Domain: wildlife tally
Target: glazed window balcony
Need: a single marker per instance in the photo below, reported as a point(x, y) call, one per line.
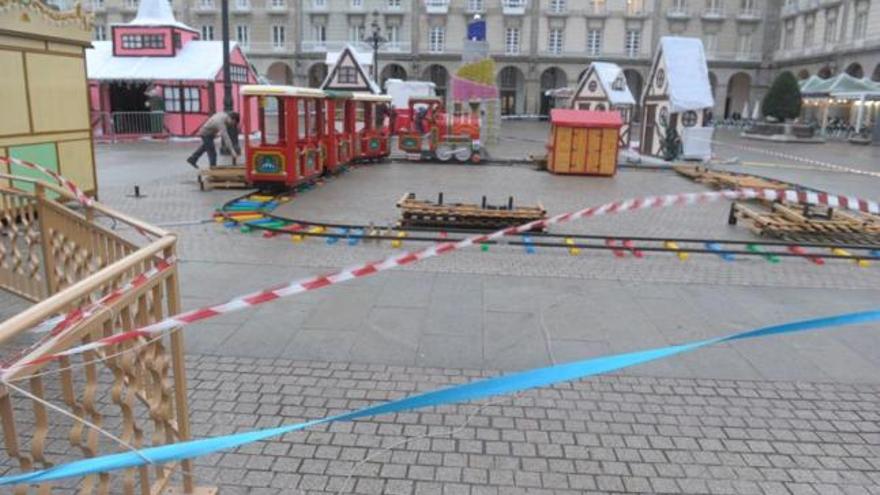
point(241, 7)
point(206, 7)
point(635, 8)
point(678, 12)
point(276, 6)
point(437, 6)
point(749, 15)
point(475, 7)
point(335, 46)
point(318, 5)
point(393, 6)
point(514, 7)
point(713, 13)
point(596, 8)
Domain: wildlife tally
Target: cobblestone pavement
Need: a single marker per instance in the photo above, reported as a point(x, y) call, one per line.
point(784, 415)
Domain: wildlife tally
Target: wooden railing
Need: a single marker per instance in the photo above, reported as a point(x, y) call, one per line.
point(56, 253)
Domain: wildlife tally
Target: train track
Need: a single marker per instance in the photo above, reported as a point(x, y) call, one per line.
point(254, 211)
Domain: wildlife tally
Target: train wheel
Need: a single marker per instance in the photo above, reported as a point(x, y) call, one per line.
point(463, 154)
point(444, 152)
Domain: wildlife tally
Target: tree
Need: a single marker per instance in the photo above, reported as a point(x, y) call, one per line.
point(783, 101)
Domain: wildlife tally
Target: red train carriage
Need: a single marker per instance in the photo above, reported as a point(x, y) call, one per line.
point(292, 145)
point(370, 122)
point(340, 134)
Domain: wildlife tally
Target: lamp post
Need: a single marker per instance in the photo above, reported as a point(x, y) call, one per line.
point(375, 39)
point(227, 80)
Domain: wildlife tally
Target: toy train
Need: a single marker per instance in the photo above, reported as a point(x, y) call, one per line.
point(307, 132)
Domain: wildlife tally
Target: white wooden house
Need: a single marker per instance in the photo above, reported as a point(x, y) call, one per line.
point(678, 95)
point(604, 88)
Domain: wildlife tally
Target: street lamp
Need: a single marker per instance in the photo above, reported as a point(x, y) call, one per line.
point(227, 82)
point(376, 39)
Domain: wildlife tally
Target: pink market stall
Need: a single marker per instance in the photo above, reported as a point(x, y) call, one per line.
point(155, 77)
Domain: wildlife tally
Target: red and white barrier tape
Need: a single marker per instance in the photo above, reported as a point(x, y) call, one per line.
point(64, 182)
point(56, 326)
point(318, 282)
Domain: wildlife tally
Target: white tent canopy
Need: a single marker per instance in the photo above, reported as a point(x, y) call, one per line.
point(687, 74)
point(196, 60)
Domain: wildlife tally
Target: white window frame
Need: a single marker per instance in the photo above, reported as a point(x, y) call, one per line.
point(512, 37)
point(207, 32)
point(594, 41)
point(243, 34)
point(474, 6)
point(279, 36)
point(558, 6)
point(437, 39)
point(100, 32)
point(632, 42)
point(556, 41)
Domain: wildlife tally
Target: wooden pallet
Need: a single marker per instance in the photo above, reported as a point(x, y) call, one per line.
point(793, 222)
point(222, 178)
point(421, 213)
point(729, 180)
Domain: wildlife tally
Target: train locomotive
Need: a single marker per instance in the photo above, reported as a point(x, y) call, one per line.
point(307, 132)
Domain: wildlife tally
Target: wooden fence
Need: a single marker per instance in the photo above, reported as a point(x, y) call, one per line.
point(61, 256)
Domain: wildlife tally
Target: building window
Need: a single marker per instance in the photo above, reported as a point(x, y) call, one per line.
point(714, 7)
point(747, 5)
point(594, 42)
point(554, 44)
point(319, 4)
point(475, 6)
point(678, 6)
point(511, 41)
point(207, 32)
point(710, 42)
point(437, 39)
point(357, 4)
point(860, 25)
point(831, 25)
point(689, 118)
point(632, 42)
point(206, 4)
point(278, 4)
point(788, 34)
point(242, 4)
point(557, 6)
point(392, 34)
point(278, 36)
point(191, 102)
point(100, 32)
point(809, 29)
point(744, 44)
point(356, 32)
point(243, 34)
point(348, 75)
point(394, 4)
point(138, 41)
point(238, 73)
point(319, 33)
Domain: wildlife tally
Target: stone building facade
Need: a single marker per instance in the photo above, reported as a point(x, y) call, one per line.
point(545, 44)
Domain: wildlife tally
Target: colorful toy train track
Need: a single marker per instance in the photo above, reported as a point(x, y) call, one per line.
point(254, 212)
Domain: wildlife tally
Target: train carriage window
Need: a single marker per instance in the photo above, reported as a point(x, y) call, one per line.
point(302, 118)
point(272, 120)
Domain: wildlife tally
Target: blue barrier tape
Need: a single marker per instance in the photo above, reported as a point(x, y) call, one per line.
point(506, 384)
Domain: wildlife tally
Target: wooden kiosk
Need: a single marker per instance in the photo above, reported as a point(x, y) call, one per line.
point(44, 92)
point(583, 142)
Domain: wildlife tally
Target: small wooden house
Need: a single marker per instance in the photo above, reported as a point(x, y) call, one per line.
point(678, 94)
point(44, 93)
point(583, 142)
point(156, 77)
point(350, 71)
point(604, 88)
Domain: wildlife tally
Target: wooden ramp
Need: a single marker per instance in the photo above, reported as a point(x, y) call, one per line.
point(420, 213)
point(729, 180)
point(222, 178)
point(804, 223)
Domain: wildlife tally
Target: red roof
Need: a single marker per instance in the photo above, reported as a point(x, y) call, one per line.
point(585, 118)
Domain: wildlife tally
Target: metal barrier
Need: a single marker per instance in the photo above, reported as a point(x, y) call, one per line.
point(111, 125)
point(73, 266)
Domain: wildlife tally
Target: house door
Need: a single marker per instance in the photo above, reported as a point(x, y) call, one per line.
point(508, 102)
point(649, 122)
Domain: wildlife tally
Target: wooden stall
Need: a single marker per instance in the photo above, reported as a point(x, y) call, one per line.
point(44, 93)
point(583, 142)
